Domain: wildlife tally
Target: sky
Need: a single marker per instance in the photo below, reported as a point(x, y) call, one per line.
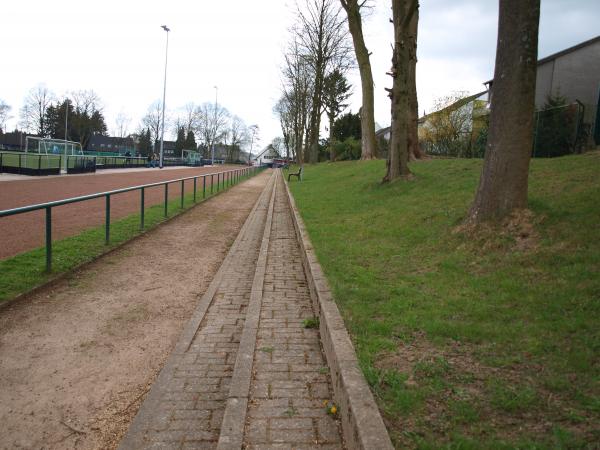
point(117, 49)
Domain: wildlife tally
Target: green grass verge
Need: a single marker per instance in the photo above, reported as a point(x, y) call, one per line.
point(486, 339)
point(26, 271)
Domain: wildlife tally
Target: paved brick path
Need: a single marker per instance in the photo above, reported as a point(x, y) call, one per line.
point(290, 377)
point(261, 296)
point(185, 406)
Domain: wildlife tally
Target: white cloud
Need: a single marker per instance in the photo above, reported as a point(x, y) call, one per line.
point(117, 49)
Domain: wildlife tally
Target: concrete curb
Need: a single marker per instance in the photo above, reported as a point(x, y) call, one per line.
point(134, 438)
point(234, 418)
point(362, 425)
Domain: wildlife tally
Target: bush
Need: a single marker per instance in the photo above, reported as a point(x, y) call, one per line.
point(348, 149)
point(556, 124)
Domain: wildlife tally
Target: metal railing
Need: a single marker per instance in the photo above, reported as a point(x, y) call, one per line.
point(224, 179)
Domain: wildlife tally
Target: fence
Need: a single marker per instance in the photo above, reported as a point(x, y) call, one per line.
point(30, 163)
point(224, 180)
point(561, 130)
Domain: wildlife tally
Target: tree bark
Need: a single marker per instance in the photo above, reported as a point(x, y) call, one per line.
point(367, 117)
point(331, 150)
point(504, 179)
point(397, 163)
point(414, 150)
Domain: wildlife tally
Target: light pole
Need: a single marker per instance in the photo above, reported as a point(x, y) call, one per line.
point(212, 162)
point(253, 130)
point(162, 131)
point(66, 128)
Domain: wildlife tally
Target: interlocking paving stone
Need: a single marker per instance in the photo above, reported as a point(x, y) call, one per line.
point(285, 407)
point(289, 386)
point(185, 410)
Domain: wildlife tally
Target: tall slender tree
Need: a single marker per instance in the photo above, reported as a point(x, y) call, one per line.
point(504, 180)
point(322, 38)
point(33, 112)
point(367, 112)
point(4, 114)
point(414, 150)
point(295, 106)
point(397, 163)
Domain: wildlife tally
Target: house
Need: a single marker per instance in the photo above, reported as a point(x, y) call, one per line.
point(572, 73)
point(451, 130)
point(266, 156)
point(100, 143)
point(169, 150)
point(14, 141)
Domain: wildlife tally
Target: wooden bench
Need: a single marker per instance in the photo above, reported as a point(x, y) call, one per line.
point(297, 175)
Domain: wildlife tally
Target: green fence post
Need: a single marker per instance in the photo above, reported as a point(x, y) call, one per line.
point(107, 219)
point(142, 209)
point(39, 163)
point(195, 180)
point(166, 197)
point(211, 183)
point(203, 186)
point(182, 191)
point(48, 239)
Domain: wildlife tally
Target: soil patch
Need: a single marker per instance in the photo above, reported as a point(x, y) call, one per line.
point(462, 392)
point(77, 360)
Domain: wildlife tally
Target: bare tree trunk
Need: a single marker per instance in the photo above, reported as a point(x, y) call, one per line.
point(331, 150)
point(503, 183)
point(367, 116)
point(414, 150)
point(315, 121)
point(397, 164)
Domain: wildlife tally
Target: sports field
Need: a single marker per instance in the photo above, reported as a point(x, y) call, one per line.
point(26, 231)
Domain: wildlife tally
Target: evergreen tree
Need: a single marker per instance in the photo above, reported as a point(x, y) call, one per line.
point(190, 141)
point(347, 126)
point(179, 142)
point(336, 91)
point(80, 125)
point(145, 143)
point(555, 130)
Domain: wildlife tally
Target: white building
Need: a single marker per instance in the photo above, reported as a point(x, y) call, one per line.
point(266, 156)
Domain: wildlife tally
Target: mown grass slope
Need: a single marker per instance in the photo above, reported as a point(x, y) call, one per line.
point(468, 339)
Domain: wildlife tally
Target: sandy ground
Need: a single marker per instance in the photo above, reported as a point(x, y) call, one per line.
point(77, 360)
point(26, 231)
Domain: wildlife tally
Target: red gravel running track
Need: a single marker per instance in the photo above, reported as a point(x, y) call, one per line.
point(26, 231)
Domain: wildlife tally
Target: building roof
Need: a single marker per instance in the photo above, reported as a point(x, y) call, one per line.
point(14, 138)
point(566, 51)
point(267, 148)
point(100, 139)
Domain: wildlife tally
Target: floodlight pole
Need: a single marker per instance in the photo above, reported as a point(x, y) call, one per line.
point(162, 131)
point(66, 120)
point(212, 162)
point(66, 128)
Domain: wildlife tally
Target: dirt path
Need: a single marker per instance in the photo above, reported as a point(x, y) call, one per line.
point(76, 361)
point(26, 231)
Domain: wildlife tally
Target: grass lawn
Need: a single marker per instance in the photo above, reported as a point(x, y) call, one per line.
point(24, 272)
point(469, 340)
